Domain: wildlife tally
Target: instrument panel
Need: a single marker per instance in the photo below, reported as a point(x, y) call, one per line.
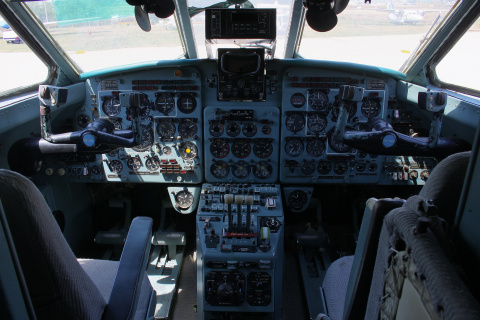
point(189, 136)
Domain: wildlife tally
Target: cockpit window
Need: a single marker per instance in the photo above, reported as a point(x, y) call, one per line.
point(383, 33)
point(102, 34)
point(19, 65)
point(461, 66)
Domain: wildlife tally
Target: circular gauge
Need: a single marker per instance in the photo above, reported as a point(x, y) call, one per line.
point(315, 148)
point(188, 150)
point(324, 167)
point(340, 167)
point(166, 128)
point(147, 139)
point(233, 129)
point(152, 164)
point(187, 103)
point(317, 100)
point(184, 199)
point(219, 148)
point(117, 123)
point(220, 169)
point(241, 169)
point(262, 149)
point(266, 130)
point(83, 120)
point(216, 129)
point(115, 166)
point(145, 107)
point(297, 100)
point(361, 154)
point(165, 103)
point(350, 106)
point(337, 146)
point(241, 148)
point(294, 147)
point(187, 128)
point(96, 170)
point(308, 167)
point(360, 167)
point(297, 199)
point(263, 170)
point(316, 122)
point(295, 122)
point(249, 129)
point(134, 163)
point(111, 106)
point(167, 150)
point(371, 108)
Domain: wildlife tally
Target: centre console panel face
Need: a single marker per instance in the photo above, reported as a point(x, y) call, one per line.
point(241, 144)
point(171, 121)
point(240, 230)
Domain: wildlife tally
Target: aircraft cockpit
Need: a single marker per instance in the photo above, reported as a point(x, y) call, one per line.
point(287, 159)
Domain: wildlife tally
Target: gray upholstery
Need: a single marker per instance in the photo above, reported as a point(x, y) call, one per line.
point(335, 286)
point(103, 272)
point(59, 286)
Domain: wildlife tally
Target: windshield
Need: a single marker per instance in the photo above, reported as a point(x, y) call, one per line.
point(383, 33)
point(102, 34)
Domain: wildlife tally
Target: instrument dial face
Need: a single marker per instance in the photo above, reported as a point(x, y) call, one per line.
point(266, 129)
point(340, 167)
point(147, 139)
point(188, 150)
point(324, 167)
point(371, 108)
point(241, 169)
point(166, 128)
point(152, 164)
point(263, 170)
point(308, 167)
point(294, 147)
point(297, 199)
point(233, 129)
point(220, 169)
point(96, 170)
point(350, 106)
point(219, 148)
point(134, 163)
point(317, 100)
point(216, 129)
point(241, 149)
point(249, 129)
point(145, 107)
point(111, 106)
point(187, 128)
point(186, 103)
point(83, 120)
point(297, 100)
point(262, 149)
point(295, 122)
point(184, 199)
point(315, 148)
point(115, 166)
point(317, 122)
point(338, 146)
point(165, 103)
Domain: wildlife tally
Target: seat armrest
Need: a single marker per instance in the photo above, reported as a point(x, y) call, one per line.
point(131, 271)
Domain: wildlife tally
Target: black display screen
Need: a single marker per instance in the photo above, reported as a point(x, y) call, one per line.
point(240, 63)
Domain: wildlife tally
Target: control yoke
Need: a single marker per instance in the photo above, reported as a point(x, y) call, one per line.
point(383, 139)
point(100, 135)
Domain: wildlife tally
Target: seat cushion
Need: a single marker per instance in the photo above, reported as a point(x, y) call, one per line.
point(103, 272)
point(335, 286)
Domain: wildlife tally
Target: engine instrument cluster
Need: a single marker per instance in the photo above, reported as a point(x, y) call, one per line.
point(241, 144)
